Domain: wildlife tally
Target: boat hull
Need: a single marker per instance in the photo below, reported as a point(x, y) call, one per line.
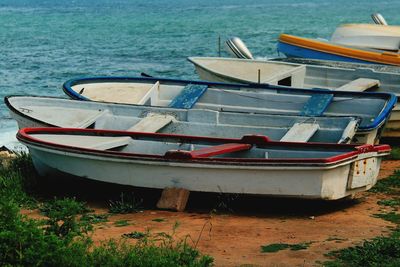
point(317, 182)
point(294, 46)
point(290, 50)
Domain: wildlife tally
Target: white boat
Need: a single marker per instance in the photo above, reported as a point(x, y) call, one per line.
point(384, 37)
point(36, 111)
point(250, 165)
point(333, 76)
point(260, 99)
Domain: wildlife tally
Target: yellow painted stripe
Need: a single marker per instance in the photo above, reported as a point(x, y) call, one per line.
point(384, 58)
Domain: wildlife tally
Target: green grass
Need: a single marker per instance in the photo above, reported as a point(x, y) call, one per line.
point(126, 204)
point(281, 246)
point(94, 218)
point(121, 223)
point(380, 251)
point(62, 238)
point(394, 154)
point(389, 185)
point(394, 203)
point(135, 235)
point(390, 216)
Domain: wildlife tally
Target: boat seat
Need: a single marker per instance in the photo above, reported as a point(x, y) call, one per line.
point(207, 151)
point(91, 142)
point(152, 123)
point(188, 96)
point(300, 132)
point(151, 95)
point(359, 85)
point(296, 76)
point(316, 105)
point(89, 120)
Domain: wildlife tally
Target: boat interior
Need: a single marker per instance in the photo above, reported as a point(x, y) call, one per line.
point(171, 147)
point(188, 122)
point(271, 101)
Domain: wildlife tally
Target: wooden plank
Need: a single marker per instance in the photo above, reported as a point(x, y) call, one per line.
point(359, 85)
point(316, 105)
point(151, 94)
point(152, 123)
point(188, 96)
point(300, 132)
point(208, 151)
point(92, 142)
point(89, 120)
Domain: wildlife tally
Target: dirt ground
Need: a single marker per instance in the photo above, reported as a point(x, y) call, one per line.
point(235, 238)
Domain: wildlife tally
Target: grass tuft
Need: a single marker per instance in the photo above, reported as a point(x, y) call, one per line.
point(121, 223)
point(126, 204)
point(135, 235)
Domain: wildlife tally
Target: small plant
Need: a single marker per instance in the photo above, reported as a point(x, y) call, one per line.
point(18, 181)
point(225, 202)
point(121, 223)
point(281, 246)
point(62, 214)
point(126, 204)
point(135, 235)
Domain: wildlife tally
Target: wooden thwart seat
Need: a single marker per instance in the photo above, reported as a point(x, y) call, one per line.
point(316, 105)
point(89, 120)
point(300, 132)
point(150, 95)
point(152, 123)
point(359, 85)
point(91, 142)
point(188, 96)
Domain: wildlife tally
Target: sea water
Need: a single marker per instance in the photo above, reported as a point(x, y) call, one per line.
point(43, 43)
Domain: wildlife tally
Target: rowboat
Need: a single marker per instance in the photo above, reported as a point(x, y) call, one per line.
point(250, 165)
point(342, 77)
point(35, 111)
point(294, 46)
point(383, 37)
point(255, 98)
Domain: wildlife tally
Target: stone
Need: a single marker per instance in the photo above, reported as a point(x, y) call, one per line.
point(173, 199)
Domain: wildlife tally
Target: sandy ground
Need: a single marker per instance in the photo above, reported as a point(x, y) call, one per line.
point(235, 239)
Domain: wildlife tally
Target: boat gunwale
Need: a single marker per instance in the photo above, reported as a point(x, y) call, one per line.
point(24, 135)
point(391, 99)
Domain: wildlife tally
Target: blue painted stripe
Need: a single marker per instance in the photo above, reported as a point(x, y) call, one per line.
point(296, 51)
point(188, 96)
point(316, 105)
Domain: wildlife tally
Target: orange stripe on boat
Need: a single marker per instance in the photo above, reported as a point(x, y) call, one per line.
point(383, 58)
